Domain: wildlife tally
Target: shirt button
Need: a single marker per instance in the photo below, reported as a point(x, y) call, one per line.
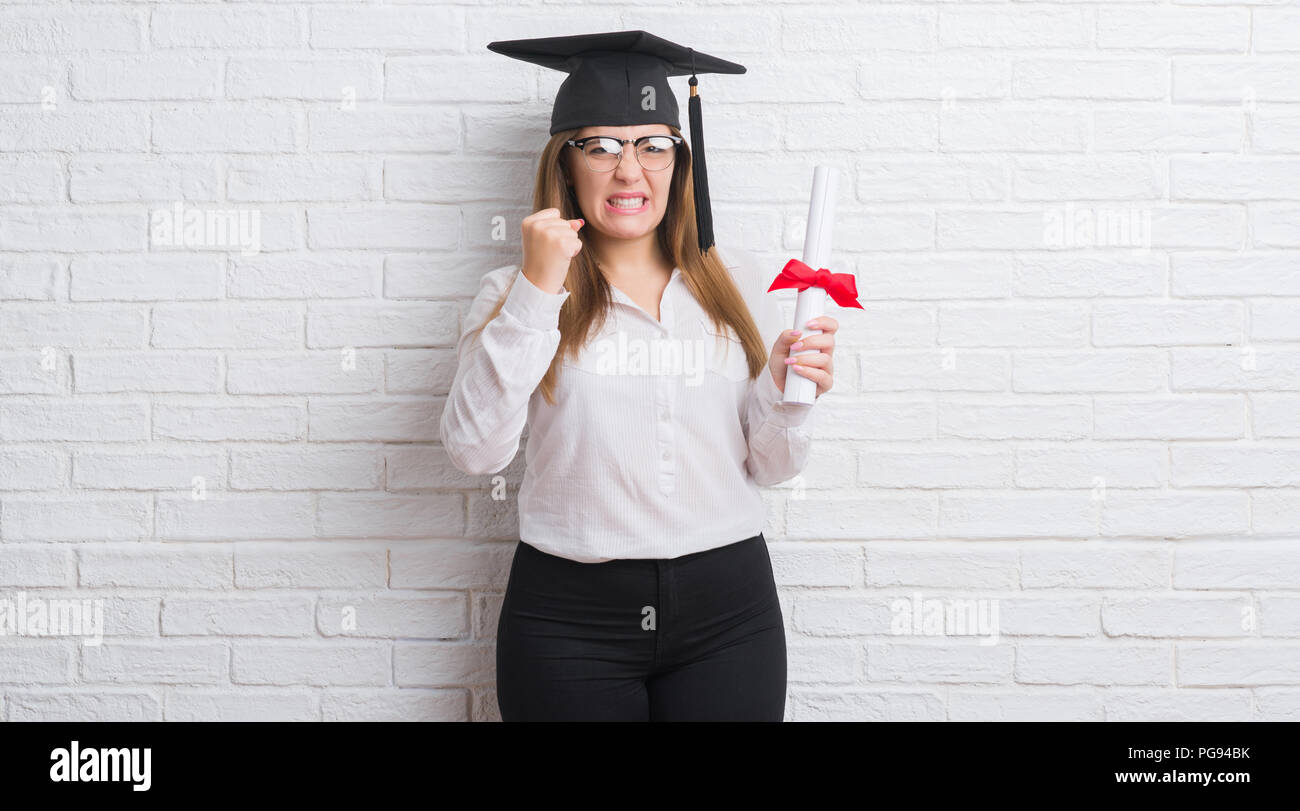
point(666, 455)
point(663, 415)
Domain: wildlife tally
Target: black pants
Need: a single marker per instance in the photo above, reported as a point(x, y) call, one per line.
point(693, 638)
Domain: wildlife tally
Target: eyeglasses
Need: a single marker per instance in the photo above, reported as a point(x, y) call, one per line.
point(603, 153)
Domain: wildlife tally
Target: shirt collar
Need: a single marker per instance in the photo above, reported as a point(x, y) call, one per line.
point(665, 316)
point(619, 296)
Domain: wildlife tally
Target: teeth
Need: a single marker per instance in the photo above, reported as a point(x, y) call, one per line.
point(627, 202)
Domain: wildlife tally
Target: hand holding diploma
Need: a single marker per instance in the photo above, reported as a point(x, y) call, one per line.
point(814, 346)
point(809, 345)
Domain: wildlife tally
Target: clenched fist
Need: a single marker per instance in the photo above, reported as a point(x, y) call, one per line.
point(550, 243)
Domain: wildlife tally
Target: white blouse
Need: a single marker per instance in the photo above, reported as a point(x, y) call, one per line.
point(658, 441)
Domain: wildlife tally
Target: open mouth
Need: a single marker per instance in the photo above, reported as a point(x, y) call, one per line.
point(632, 204)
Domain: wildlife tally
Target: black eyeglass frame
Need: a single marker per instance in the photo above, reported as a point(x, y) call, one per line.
point(636, 142)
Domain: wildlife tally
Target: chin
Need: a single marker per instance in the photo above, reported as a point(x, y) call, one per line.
point(625, 227)
point(633, 231)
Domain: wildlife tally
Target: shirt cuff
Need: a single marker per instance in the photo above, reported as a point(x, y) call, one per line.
point(771, 408)
point(533, 306)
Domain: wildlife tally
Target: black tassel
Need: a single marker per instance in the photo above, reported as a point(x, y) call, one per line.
point(703, 211)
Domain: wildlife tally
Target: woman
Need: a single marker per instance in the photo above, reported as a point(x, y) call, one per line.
point(641, 587)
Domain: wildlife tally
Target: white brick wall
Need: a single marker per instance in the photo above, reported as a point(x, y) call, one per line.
point(236, 451)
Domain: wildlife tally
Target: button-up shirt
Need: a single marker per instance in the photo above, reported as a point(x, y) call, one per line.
point(658, 441)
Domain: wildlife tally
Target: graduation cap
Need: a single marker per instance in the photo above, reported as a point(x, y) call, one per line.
point(614, 77)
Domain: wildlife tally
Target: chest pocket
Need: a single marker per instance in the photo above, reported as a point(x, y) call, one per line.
point(724, 352)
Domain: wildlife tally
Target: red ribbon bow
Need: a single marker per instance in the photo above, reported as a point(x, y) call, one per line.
point(841, 287)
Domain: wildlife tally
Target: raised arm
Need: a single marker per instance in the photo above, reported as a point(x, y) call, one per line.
point(498, 369)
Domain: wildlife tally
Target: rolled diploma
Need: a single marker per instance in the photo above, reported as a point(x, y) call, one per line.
point(811, 302)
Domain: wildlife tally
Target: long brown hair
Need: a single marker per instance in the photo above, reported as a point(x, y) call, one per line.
point(589, 298)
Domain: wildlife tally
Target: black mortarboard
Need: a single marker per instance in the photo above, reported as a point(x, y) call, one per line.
point(607, 86)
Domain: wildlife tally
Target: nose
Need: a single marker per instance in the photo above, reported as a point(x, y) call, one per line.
point(629, 168)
